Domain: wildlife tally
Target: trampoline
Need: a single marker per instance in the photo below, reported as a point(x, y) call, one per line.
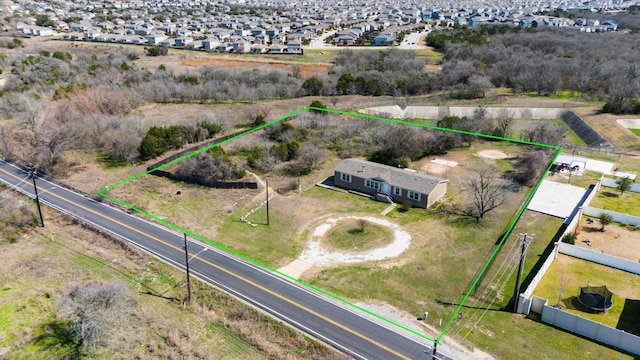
point(597, 298)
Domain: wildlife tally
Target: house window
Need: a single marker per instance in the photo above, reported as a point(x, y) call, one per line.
point(372, 184)
point(413, 195)
point(397, 191)
point(345, 177)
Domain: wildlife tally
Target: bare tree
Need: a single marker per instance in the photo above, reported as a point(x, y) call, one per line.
point(504, 121)
point(529, 167)
point(545, 133)
point(312, 156)
point(487, 192)
point(362, 225)
point(91, 310)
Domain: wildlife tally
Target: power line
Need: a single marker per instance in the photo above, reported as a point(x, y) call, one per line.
point(508, 260)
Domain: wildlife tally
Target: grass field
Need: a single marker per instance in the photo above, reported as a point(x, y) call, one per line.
point(353, 235)
point(610, 199)
point(37, 270)
point(635, 131)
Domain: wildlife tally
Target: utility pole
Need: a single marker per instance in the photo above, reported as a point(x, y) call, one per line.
point(523, 255)
point(267, 188)
point(433, 354)
point(34, 172)
point(186, 255)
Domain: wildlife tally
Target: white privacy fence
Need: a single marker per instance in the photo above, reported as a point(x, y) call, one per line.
point(608, 182)
point(617, 217)
point(571, 222)
point(600, 258)
point(587, 328)
point(438, 112)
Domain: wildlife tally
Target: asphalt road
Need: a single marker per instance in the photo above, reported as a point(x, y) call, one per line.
point(321, 317)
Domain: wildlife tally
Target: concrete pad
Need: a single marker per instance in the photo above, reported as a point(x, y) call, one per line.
point(295, 269)
point(629, 123)
point(592, 165)
point(556, 199)
point(444, 162)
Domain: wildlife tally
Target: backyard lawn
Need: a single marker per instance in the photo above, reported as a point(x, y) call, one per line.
point(610, 199)
point(561, 286)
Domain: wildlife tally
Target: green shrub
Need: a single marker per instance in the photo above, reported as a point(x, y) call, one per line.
point(569, 238)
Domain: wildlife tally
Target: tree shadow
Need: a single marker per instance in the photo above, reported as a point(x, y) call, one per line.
point(609, 194)
point(591, 229)
point(56, 335)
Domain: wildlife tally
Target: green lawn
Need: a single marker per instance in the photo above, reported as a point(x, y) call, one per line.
point(358, 235)
point(635, 131)
point(610, 199)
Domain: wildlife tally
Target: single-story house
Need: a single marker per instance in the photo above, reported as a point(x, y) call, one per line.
point(400, 185)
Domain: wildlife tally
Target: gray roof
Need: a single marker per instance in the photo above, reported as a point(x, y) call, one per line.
point(404, 178)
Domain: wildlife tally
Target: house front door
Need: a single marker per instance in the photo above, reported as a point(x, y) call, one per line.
point(386, 189)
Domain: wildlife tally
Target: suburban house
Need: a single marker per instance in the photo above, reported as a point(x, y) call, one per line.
point(381, 181)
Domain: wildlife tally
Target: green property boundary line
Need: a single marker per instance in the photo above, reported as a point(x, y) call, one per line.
point(436, 340)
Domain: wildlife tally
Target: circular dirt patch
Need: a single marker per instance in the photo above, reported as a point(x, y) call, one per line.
point(357, 235)
point(493, 154)
point(317, 255)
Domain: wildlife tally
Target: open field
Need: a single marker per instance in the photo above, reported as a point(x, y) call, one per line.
point(561, 285)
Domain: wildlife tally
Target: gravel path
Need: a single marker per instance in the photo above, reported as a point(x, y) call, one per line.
point(315, 254)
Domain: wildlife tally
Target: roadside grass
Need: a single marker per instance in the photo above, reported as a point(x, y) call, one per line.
point(610, 199)
point(280, 242)
point(352, 235)
point(29, 306)
point(39, 269)
point(268, 244)
point(562, 282)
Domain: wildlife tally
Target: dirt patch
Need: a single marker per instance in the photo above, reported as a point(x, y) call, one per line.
point(615, 240)
point(315, 254)
point(493, 154)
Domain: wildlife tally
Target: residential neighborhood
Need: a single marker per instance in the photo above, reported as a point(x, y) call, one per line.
point(259, 27)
